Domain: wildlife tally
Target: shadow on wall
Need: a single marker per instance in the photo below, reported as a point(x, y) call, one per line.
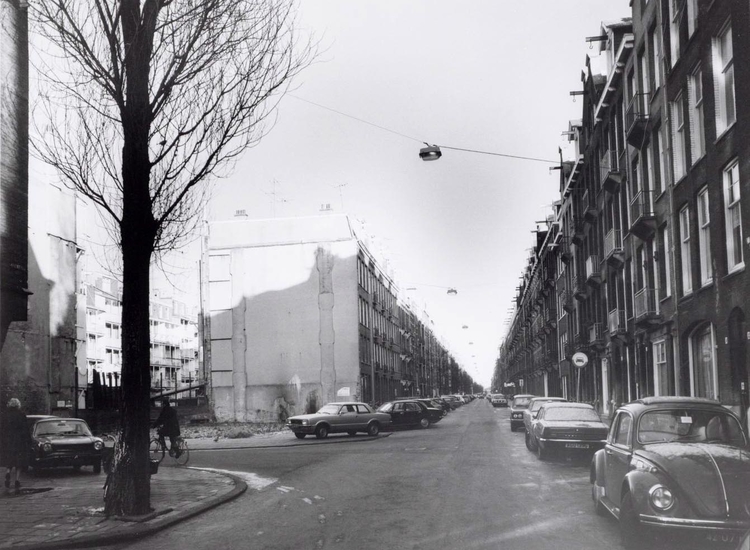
point(36, 365)
point(293, 349)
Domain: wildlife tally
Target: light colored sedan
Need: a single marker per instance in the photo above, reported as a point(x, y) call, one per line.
point(344, 417)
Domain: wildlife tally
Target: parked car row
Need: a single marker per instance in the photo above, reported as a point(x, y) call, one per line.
point(353, 417)
point(675, 466)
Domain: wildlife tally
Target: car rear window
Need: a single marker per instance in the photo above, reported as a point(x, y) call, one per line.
point(521, 402)
point(571, 413)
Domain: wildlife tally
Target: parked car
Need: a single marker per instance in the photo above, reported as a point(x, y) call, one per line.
point(406, 414)
point(344, 417)
point(453, 401)
point(529, 414)
point(519, 404)
point(498, 400)
point(675, 465)
point(562, 428)
point(430, 402)
point(58, 442)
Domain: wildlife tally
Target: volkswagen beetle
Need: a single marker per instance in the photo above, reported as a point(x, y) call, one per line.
point(676, 465)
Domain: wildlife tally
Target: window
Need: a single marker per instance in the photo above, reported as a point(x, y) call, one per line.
point(663, 161)
point(661, 375)
point(652, 167)
point(645, 76)
point(675, 14)
point(622, 435)
point(655, 45)
point(733, 217)
point(704, 238)
point(678, 139)
point(687, 278)
point(695, 98)
point(723, 63)
point(703, 376)
point(662, 255)
point(692, 16)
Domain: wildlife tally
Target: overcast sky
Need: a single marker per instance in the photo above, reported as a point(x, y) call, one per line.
point(489, 75)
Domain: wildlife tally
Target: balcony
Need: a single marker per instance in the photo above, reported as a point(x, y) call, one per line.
point(646, 312)
point(613, 251)
point(578, 233)
point(636, 119)
point(566, 255)
point(580, 290)
point(596, 335)
point(611, 177)
point(588, 207)
point(642, 217)
point(593, 271)
point(617, 324)
point(566, 298)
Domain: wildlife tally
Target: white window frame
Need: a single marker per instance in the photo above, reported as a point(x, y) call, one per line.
point(695, 101)
point(655, 44)
point(692, 16)
point(735, 245)
point(667, 266)
point(724, 92)
point(678, 139)
point(714, 378)
point(660, 366)
point(704, 238)
point(663, 160)
point(675, 13)
point(686, 259)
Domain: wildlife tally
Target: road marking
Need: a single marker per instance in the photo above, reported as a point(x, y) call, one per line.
point(253, 481)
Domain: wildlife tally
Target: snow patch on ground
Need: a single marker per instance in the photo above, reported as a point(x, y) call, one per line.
point(254, 481)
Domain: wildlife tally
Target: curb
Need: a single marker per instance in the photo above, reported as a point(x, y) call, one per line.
point(295, 444)
point(143, 529)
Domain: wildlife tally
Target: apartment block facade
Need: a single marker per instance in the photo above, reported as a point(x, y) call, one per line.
point(649, 234)
point(302, 314)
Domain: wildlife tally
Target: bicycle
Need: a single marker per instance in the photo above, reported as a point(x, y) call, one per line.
point(156, 450)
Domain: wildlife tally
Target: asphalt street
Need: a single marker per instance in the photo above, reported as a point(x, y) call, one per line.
point(467, 482)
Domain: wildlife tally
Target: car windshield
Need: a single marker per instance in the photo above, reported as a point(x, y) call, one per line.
point(571, 413)
point(690, 425)
point(329, 409)
point(386, 407)
point(61, 427)
point(521, 402)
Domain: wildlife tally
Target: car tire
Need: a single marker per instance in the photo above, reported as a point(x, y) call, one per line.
point(300, 436)
point(373, 429)
point(321, 432)
point(424, 423)
point(631, 530)
point(98, 467)
point(599, 508)
point(541, 454)
point(352, 433)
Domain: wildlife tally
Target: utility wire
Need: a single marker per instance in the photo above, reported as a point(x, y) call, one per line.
point(420, 140)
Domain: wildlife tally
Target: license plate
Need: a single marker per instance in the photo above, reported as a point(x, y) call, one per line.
point(720, 537)
point(576, 445)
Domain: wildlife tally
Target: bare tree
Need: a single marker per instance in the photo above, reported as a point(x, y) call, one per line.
point(145, 102)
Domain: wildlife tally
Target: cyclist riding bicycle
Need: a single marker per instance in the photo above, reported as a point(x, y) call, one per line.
point(168, 426)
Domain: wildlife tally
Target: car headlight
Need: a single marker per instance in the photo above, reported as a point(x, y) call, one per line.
point(47, 447)
point(661, 497)
point(98, 445)
point(305, 422)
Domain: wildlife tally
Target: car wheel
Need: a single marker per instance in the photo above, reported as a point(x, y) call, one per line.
point(424, 423)
point(631, 530)
point(98, 467)
point(541, 454)
point(321, 432)
point(352, 433)
point(300, 436)
point(599, 508)
point(373, 429)
point(527, 440)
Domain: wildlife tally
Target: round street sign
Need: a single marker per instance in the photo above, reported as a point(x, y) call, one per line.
point(580, 359)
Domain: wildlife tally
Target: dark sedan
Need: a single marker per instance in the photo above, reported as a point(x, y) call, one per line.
point(562, 428)
point(405, 414)
point(63, 442)
point(676, 465)
point(530, 414)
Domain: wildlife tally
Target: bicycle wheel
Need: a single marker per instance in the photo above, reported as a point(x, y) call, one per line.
point(183, 453)
point(155, 450)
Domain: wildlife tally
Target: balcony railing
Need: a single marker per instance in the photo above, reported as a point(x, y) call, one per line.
point(613, 247)
point(566, 297)
point(596, 334)
point(580, 290)
point(645, 305)
point(588, 208)
point(642, 217)
point(611, 177)
point(617, 323)
point(593, 270)
point(636, 119)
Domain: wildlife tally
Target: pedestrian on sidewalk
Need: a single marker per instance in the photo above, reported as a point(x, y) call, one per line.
point(15, 443)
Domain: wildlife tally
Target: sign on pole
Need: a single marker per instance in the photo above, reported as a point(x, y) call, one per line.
point(579, 359)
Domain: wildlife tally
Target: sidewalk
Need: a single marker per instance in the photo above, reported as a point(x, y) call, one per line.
point(64, 509)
